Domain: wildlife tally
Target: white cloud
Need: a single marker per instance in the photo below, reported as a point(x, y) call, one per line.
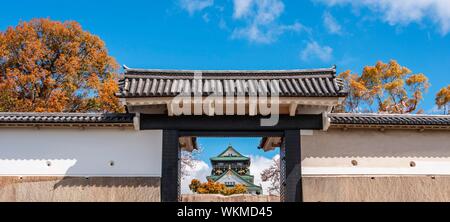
point(193, 6)
point(241, 8)
point(404, 12)
point(315, 51)
point(205, 17)
point(223, 24)
point(257, 166)
point(261, 20)
point(331, 24)
point(264, 34)
point(199, 171)
point(254, 20)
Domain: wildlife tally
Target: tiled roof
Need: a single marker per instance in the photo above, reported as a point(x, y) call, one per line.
point(249, 184)
point(389, 119)
point(230, 149)
point(230, 158)
point(55, 118)
point(299, 83)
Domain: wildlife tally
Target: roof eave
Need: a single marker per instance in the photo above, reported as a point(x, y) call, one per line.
point(230, 158)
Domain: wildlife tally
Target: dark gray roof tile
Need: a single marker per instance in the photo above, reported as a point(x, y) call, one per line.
point(388, 119)
point(6, 118)
point(150, 83)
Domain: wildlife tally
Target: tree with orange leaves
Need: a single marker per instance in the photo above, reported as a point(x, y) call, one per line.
point(50, 66)
point(386, 87)
point(212, 187)
point(443, 99)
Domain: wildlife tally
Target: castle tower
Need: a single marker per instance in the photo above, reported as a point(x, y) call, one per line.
point(232, 168)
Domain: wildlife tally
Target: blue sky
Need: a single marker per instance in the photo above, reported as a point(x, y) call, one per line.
point(264, 34)
point(247, 146)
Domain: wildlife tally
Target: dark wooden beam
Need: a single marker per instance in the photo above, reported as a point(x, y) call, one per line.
point(228, 123)
point(170, 178)
point(215, 133)
point(293, 171)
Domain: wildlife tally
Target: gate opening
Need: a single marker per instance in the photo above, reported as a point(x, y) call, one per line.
point(290, 155)
point(232, 169)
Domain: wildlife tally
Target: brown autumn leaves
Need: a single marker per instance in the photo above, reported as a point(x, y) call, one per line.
point(51, 66)
point(388, 88)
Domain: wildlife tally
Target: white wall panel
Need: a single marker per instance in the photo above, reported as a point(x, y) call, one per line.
point(76, 152)
point(374, 152)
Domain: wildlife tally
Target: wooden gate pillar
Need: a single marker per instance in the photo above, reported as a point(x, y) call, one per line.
point(292, 186)
point(170, 179)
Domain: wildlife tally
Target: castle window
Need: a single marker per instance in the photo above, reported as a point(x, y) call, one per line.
point(229, 184)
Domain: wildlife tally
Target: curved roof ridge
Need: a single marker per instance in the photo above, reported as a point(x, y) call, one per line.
point(248, 183)
point(244, 71)
point(230, 147)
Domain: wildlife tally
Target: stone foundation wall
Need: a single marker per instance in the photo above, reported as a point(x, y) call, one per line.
point(68, 189)
point(147, 189)
point(376, 189)
point(354, 189)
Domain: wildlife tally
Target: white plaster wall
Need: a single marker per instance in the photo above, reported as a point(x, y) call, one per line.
point(76, 152)
point(389, 152)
